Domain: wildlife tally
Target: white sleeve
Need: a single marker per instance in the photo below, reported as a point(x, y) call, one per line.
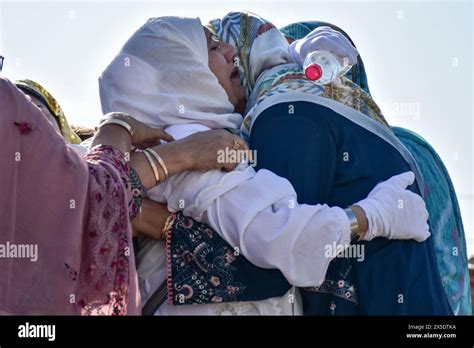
point(298, 239)
point(259, 214)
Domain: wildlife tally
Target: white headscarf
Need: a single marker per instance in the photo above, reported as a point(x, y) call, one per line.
point(161, 77)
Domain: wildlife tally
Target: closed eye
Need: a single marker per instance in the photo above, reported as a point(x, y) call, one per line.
point(215, 42)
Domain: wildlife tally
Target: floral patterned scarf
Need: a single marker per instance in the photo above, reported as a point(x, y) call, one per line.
point(266, 68)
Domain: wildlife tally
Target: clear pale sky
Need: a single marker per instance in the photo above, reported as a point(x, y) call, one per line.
point(418, 56)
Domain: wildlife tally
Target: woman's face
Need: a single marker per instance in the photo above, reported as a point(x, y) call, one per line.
point(221, 63)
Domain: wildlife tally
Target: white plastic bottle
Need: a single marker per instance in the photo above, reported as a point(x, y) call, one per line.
point(323, 67)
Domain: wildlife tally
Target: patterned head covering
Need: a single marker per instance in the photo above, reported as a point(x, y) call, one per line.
point(34, 88)
point(299, 30)
point(260, 45)
point(266, 69)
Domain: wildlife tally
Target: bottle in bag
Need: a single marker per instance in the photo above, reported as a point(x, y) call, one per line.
point(323, 67)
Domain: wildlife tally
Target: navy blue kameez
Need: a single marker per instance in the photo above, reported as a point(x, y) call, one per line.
point(329, 159)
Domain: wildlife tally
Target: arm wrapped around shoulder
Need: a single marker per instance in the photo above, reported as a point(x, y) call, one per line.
point(261, 217)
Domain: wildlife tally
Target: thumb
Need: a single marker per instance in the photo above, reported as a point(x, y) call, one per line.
point(402, 180)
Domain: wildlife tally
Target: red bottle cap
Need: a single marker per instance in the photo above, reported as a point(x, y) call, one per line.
point(313, 72)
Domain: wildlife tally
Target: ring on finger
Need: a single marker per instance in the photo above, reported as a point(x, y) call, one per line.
point(236, 145)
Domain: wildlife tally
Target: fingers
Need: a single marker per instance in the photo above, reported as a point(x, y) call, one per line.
point(346, 50)
point(425, 227)
point(228, 167)
point(228, 140)
point(419, 221)
point(151, 137)
point(243, 145)
point(338, 45)
point(426, 235)
point(402, 180)
point(162, 135)
point(423, 235)
point(233, 143)
point(215, 149)
point(334, 41)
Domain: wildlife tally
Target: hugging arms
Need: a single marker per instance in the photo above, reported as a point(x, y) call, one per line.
point(267, 237)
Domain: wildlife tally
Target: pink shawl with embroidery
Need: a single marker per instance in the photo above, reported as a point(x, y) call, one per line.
point(65, 234)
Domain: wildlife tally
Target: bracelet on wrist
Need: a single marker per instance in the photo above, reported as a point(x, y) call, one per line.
point(118, 122)
point(138, 193)
point(354, 224)
point(153, 166)
point(160, 162)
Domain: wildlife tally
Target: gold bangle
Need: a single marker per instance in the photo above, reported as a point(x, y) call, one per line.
point(160, 161)
point(117, 122)
point(152, 165)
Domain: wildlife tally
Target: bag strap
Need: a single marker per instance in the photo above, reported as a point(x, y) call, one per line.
point(156, 300)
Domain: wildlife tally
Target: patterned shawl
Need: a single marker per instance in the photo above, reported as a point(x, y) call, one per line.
point(266, 69)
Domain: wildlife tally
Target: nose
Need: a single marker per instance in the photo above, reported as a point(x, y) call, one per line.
point(229, 52)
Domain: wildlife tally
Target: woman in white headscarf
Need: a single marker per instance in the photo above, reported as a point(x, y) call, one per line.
point(169, 73)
